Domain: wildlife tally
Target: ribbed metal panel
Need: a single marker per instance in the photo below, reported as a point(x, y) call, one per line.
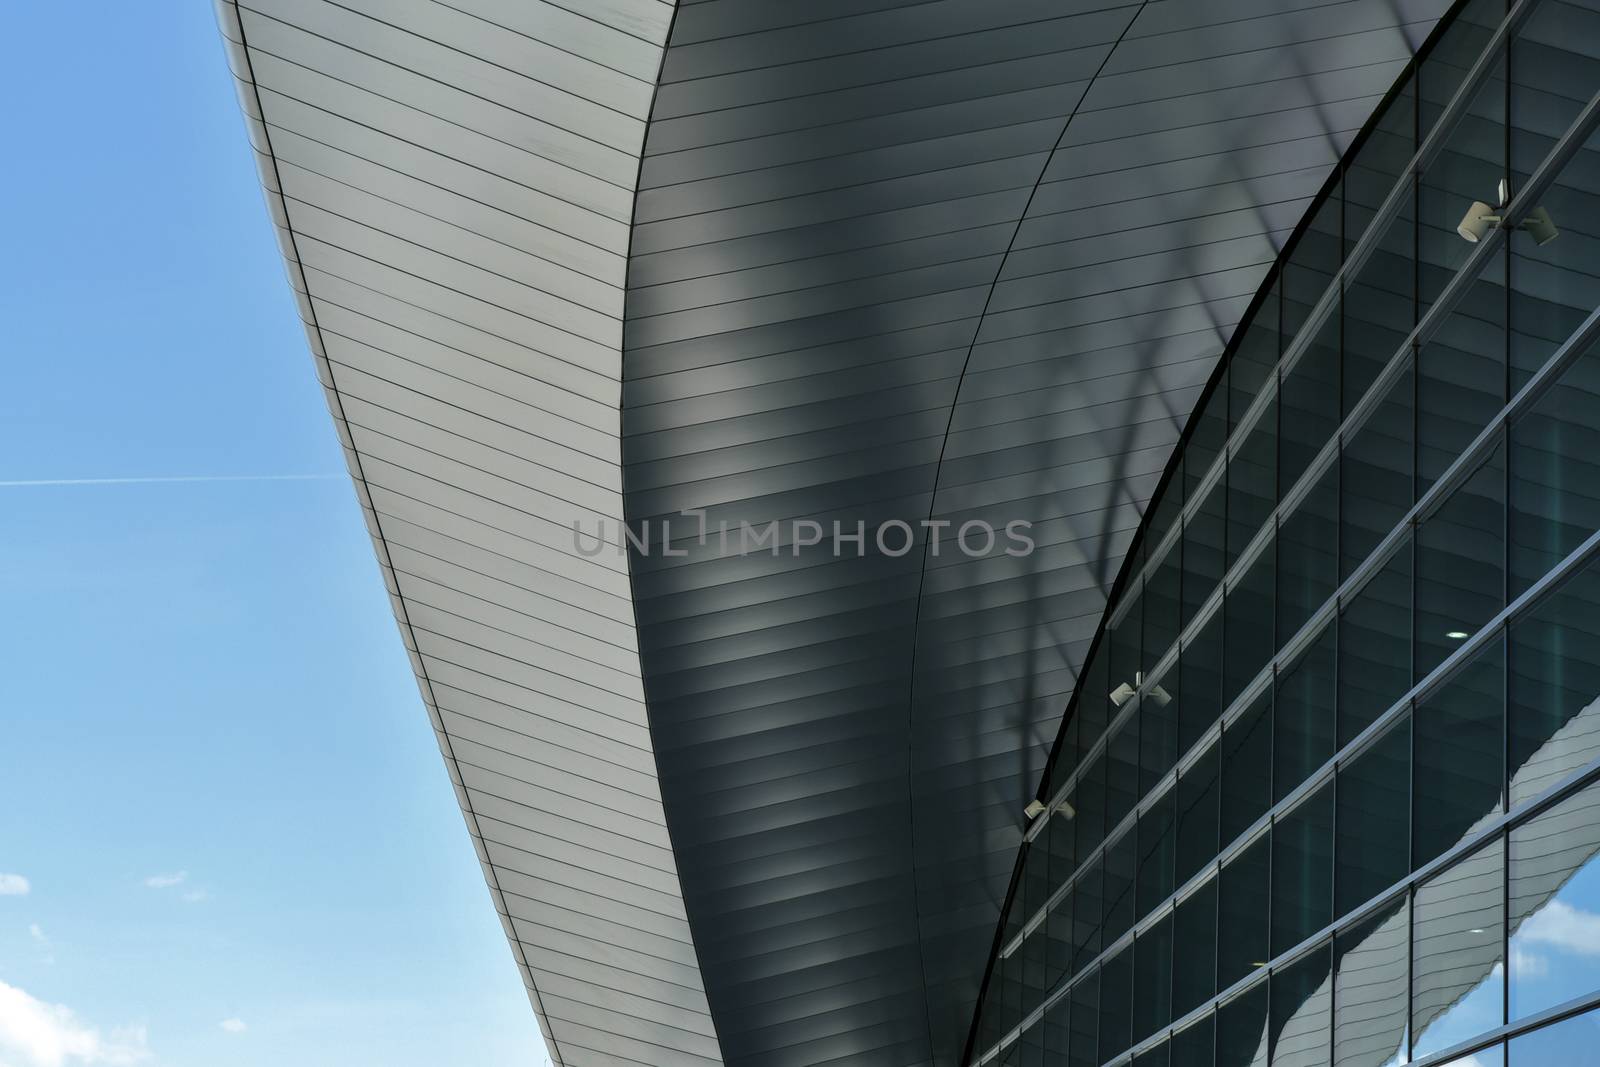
point(941, 260)
point(453, 187)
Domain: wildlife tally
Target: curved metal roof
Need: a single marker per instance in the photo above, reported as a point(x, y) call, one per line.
point(887, 260)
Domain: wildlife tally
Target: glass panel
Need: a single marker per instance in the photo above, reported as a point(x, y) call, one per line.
point(1034, 965)
point(1302, 870)
point(1555, 905)
point(1088, 906)
point(1247, 768)
point(1121, 862)
point(1308, 560)
point(1302, 1011)
point(1057, 1026)
point(1251, 484)
point(1460, 564)
point(1554, 705)
point(1157, 848)
point(1155, 1057)
point(1202, 551)
point(1125, 640)
point(1302, 729)
point(1461, 372)
point(1057, 932)
point(1242, 1029)
point(1555, 473)
point(1194, 1045)
point(1198, 795)
point(1158, 730)
point(1375, 647)
point(1458, 756)
point(1152, 976)
point(1554, 284)
point(1310, 400)
point(1313, 262)
point(1116, 1003)
point(1194, 949)
point(1201, 683)
point(1376, 484)
point(1163, 595)
point(1089, 801)
point(1456, 954)
point(1085, 1023)
point(1571, 1041)
point(1122, 772)
point(1210, 431)
point(1370, 988)
point(1373, 823)
point(1379, 304)
point(1254, 362)
point(1447, 63)
point(1093, 683)
point(1242, 913)
point(1248, 638)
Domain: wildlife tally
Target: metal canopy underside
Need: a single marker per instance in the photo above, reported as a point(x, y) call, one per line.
point(887, 260)
point(834, 313)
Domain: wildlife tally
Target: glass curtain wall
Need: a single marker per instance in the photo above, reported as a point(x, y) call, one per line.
point(1329, 790)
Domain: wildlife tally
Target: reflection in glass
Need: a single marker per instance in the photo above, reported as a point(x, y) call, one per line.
point(1197, 842)
point(1116, 1003)
point(1375, 485)
point(1555, 905)
point(1554, 706)
point(1121, 865)
point(1084, 1043)
point(1458, 755)
point(1571, 1041)
point(1193, 1046)
point(1247, 642)
point(1157, 849)
point(1460, 564)
point(1200, 683)
point(1194, 949)
point(1152, 979)
point(1375, 647)
point(1086, 915)
point(1555, 473)
point(1302, 1006)
point(1457, 959)
point(1247, 768)
point(1203, 537)
point(1155, 1057)
point(1122, 773)
point(1242, 1029)
point(1242, 913)
point(1371, 965)
point(1308, 565)
point(1251, 484)
point(1374, 843)
point(1303, 722)
point(1302, 870)
point(1158, 731)
point(1057, 1028)
point(1310, 399)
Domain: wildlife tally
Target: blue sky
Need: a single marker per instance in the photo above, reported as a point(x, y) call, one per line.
point(216, 776)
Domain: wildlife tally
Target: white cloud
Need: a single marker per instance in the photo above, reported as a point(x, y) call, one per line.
point(13, 885)
point(195, 896)
point(49, 1035)
point(1525, 964)
point(233, 1026)
point(1566, 927)
point(166, 881)
point(36, 932)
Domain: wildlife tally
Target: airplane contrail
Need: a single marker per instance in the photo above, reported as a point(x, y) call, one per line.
point(171, 478)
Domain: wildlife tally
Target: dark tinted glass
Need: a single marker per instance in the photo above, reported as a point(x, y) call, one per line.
point(1116, 1003)
point(1121, 865)
point(1252, 484)
point(1308, 556)
point(1158, 731)
point(1555, 685)
point(1248, 635)
point(1157, 850)
point(1200, 683)
point(1310, 402)
point(1163, 596)
point(1194, 949)
point(1242, 1029)
point(1203, 537)
point(1555, 474)
point(1194, 1045)
point(1122, 772)
point(1242, 913)
point(1089, 800)
point(1302, 870)
point(1198, 796)
point(1375, 485)
point(1152, 979)
point(1085, 1040)
point(1458, 758)
point(1247, 768)
point(1374, 828)
point(1460, 563)
point(1303, 718)
point(1088, 906)
point(1375, 647)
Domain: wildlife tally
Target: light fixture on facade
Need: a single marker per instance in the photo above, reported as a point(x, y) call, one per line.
point(1034, 809)
point(1124, 692)
point(1160, 696)
point(1481, 218)
point(1457, 635)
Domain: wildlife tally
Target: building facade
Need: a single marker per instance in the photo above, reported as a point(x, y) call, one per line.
point(1269, 324)
point(1329, 792)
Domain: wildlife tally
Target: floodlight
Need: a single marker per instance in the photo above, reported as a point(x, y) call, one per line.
point(1122, 694)
point(1477, 222)
point(1034, 809)
point(1539, 226)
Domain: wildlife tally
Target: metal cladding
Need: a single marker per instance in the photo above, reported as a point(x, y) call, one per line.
point(935, 262)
